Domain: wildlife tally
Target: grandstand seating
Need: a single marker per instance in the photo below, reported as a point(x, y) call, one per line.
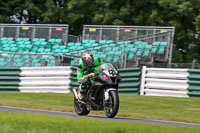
point(105, 49)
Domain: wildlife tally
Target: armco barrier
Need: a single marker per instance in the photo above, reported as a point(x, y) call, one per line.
point(164, 82)
point(194, 82)
point(9, 79)
point(74, 83)
point(153, 81)
point(45, 79)
point(130, 81)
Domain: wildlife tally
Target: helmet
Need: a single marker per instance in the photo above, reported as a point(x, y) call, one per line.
point(88, 59)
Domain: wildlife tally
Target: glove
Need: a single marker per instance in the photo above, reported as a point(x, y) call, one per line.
point(89, 75)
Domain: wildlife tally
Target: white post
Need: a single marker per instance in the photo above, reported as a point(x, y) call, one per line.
point(142, 80)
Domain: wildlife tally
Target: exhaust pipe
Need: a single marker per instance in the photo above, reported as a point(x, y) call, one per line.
point(75, 93)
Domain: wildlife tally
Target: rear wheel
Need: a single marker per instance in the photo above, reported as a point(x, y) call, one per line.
point(111, 106)
point(80, 108)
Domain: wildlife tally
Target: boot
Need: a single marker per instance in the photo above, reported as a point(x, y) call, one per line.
point(80, 94)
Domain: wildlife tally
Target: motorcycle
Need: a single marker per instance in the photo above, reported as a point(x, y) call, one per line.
point(102, 94)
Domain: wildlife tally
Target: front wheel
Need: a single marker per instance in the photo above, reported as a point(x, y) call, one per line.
point(111, 105)
point(80, 108)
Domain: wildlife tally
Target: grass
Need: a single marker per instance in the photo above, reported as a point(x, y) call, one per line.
point(159, 108)
point(42, 123)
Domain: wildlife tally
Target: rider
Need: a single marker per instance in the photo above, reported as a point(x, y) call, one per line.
point(85, 71)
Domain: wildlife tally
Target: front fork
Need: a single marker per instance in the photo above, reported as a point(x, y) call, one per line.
point(106, 93)
point(75, 93)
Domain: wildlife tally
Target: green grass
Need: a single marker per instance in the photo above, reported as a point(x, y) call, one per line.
point(159, 108)
point(42, 123)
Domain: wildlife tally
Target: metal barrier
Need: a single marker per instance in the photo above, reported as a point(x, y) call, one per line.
point(31, 31)
point(147, 34)
point(164, 82)
point(73, 38)
point(117, 33)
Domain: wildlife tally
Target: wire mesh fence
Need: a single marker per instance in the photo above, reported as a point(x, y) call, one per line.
point(31, 31)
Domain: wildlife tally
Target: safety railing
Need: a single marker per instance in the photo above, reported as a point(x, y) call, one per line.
point(31, 31)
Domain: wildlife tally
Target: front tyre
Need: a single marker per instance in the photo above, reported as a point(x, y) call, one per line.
point(111, 105)
point(80, 108)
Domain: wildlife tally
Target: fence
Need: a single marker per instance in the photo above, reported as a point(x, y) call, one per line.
point(9, 79)
point(147, 34)
point(31, 31)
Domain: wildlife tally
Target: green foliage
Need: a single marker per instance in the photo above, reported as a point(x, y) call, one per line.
point(184, 15)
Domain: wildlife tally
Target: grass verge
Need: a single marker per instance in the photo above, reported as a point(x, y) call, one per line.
point(41, 123)
point(159, 108)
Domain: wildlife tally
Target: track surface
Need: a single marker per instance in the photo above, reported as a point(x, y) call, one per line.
point(97, 117)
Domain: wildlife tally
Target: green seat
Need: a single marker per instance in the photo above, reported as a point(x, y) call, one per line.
point(85, 41)
point(57, 51)
point(42, 40)
point(35, 39)
point(43, 43)
point(139, 53)
point(47, 50)
point(148, 47)
point(103, 42)
point(58, 41)
point(110, 41)
point(40, 50)
point(115, 59)
point(62, 47)
point(138, 42)
point(92, 41)
point(77, 44)
point(19, 39)
point(36, 43)
point(70, 44)
point(156, 44)
point(7, 49)
point(154, 49)
point(14, 49)
point(130, 56)
point(52, 40)
point(163, 44)
point(145, 53)
point(108, 59)
point(133, 50)
point(56, 47)
point(161, 50)
point(22, 46)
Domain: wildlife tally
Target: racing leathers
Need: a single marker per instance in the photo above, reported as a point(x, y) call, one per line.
point(84, 73)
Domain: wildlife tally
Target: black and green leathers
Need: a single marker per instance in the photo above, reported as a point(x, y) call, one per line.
point(84, 72)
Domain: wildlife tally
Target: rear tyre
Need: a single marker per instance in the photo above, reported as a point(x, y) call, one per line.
point(80, 108)
point(111, 106)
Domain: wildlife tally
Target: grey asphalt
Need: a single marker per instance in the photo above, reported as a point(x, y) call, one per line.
point(97, 117)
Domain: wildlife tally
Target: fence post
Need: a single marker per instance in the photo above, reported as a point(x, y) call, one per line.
point(17, 32)
point(125, 55)
point(142, 80)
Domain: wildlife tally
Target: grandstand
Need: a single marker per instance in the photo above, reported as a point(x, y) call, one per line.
point(120, 48)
